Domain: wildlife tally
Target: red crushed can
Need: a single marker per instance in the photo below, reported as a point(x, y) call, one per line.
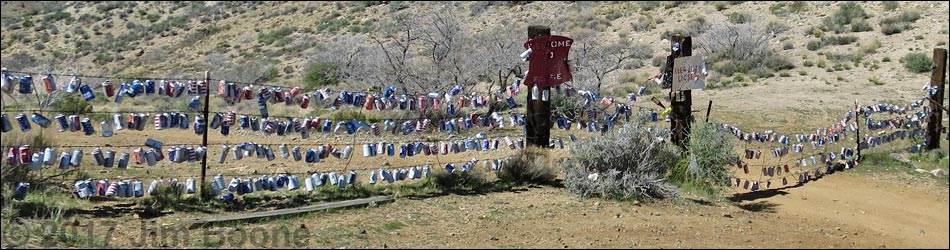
point(305, 101)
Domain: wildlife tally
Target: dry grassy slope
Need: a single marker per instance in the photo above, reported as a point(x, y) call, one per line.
point(179, 51)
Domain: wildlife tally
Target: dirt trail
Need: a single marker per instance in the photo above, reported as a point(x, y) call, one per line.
point(899, 214)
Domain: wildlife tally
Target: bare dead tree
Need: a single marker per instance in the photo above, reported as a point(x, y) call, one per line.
point(448, 49)
point(353, 60)
point(596, 59)
point(741, 42)
point(395, 39)
point(500, 52)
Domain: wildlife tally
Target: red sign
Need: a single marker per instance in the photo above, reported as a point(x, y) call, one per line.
point(548, 61)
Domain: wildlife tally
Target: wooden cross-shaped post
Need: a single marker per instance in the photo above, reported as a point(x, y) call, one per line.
point(538, 114)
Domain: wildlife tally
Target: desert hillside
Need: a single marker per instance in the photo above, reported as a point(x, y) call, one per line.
point(789, 67)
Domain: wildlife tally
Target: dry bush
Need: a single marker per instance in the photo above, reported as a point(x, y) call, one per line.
point(629, 162)
point(533, 166)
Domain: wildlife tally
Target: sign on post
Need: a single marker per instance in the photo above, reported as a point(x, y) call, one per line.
point(689, 72)
point(548, 61)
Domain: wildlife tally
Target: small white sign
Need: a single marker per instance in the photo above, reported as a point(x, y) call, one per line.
point(689, 73)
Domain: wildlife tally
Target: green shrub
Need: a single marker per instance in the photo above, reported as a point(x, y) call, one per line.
point(876, 81)
point(890, 5)
point(274, 35)
point(788, 45)
point(797, 6)
point(871, 48)
point(861, 26)
point(899, 23)
point(739, 17)
point(778, 9)
point(846, 14)
point(917, 62)
point(471, 180)
point(711, 150)
point(648, 5)
point(334, 22)
point(270, 73)
point(73, 104)
point(533, 166)
point(60, 15)
point(721, 5)
point(814, 45)
point(839, 40)
point(321, 74)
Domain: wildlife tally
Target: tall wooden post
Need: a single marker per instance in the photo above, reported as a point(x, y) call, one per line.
point(538, 114)
point(681, 101)
point(857, 131)
point(936, 80)
point(204, 138)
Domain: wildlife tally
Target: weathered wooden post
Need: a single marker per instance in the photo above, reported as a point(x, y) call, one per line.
point(936, 80)
point(681, 100)
point(204, 137)
point(547, 57)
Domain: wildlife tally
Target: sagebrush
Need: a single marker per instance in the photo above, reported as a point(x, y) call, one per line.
point(629, 162)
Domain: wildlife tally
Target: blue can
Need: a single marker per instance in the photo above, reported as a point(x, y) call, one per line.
point(173, 120)
point(23, 122)
point(347, 97)
point(21, 189)
point(87, 126)
point(41, 120)
point(193, 104)
point(280, 128)
point(152, 143)
point(183, 121)
point(118, 93)
point(244, 122)
point(296, 153)
point(216, 121)
point(26, 84)
point(87, 93)
point(255, 124)
point(7, 126)
point(262, 106)
point(225, 129)
point(134, 89)
point(199, 125)
point(326, 125)
point(149, 87)
point(227, 197)
point(511, 101)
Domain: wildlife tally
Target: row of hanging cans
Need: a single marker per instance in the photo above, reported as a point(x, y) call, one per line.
point(151, 155)
point(387, 100)
point(75, 123)
point(223, 122)
point(238, 186)
point(314, 155)
point(135, 88)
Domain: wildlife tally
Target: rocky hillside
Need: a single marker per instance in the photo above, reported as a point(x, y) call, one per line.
point(428, 43)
